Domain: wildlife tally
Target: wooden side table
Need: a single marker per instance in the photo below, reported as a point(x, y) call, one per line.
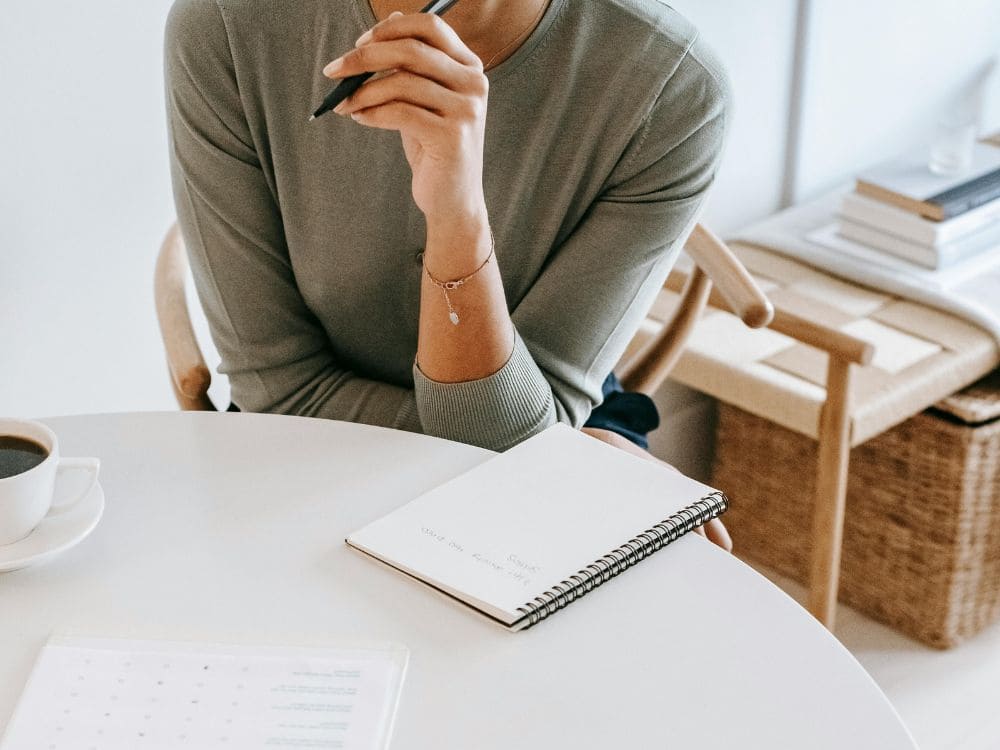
point(840, 363)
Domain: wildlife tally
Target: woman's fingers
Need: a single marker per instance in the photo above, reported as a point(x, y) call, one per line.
point(402, 86)
point(403, 54)
point(716, 532)
point(427, 27)
point(400, 116)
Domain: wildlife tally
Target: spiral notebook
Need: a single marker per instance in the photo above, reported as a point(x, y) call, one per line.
point(522, 535)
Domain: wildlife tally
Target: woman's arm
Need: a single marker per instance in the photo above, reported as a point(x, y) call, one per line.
point(574, 323)
point(276, 354)
point(436, 99)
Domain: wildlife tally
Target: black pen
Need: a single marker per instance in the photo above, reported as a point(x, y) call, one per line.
point(352, 83)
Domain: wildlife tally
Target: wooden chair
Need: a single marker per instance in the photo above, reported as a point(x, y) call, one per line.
point(845, 353)
point(642, 369)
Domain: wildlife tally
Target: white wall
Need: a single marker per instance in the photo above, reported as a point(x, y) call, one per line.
point(878, 76)
point(85, 197)
point(84, 200)
point(755, 41)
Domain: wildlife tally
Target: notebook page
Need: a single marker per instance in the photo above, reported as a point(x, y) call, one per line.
point(144, 695)
point(513, 527)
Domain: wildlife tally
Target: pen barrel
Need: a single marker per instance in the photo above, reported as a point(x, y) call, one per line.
point(343, 90)
point(438, 7)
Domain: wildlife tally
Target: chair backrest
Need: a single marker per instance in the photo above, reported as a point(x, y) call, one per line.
point(735, 289)
point(644, 372)
point(189, 375)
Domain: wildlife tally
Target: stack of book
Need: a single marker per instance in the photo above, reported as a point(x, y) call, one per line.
point(902, 208)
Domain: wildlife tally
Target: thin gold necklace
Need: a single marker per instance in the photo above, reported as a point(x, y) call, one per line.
point(534, 22)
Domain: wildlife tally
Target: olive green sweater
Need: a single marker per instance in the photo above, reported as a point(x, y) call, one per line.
point(603, 134)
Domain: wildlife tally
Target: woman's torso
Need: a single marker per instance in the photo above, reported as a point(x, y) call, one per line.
point(562, 111)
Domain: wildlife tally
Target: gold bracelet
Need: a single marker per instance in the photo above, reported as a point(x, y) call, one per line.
point(450, 286)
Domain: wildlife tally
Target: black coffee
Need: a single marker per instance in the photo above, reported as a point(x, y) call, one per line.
point(18, 454)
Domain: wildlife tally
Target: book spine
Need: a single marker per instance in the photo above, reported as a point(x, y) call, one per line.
point(620, 559)
point(966, 197)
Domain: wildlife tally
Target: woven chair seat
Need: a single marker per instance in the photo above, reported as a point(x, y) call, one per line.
point(922, 355)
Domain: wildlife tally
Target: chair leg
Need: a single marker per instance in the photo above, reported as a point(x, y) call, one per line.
point(831, 492)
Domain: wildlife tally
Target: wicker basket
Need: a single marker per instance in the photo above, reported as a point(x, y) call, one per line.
point(921, 545)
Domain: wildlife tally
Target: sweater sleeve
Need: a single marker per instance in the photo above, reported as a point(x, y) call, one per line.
point(275, 352)
point(578, 317)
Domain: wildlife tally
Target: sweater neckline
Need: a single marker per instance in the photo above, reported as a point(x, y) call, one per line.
point(366, 16)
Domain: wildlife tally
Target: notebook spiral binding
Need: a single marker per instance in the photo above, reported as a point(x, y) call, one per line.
point(622, 558)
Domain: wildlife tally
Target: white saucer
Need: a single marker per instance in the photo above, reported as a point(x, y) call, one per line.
point(55, 533)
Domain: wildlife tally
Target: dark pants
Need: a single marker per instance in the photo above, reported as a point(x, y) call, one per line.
point(631, 415)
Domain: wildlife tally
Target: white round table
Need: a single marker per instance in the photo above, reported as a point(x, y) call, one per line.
point(230, 528)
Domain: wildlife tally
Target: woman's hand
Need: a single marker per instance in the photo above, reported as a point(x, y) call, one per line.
point(713, 530)
point(435, 97)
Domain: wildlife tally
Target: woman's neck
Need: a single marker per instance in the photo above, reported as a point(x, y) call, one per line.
point(493, 29)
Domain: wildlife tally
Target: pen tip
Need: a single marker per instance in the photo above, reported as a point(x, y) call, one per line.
point(312, 117)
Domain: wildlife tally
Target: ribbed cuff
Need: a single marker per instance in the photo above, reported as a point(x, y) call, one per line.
point(495, 412)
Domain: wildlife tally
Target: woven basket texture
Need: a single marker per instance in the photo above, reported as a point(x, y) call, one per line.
point(921, 548)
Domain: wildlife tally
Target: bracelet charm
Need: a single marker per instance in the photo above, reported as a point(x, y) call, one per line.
point(450, 286)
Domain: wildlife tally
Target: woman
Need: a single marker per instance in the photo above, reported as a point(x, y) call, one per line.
point(421, 260)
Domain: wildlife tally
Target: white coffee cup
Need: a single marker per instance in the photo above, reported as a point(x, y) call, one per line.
point(28, 497)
